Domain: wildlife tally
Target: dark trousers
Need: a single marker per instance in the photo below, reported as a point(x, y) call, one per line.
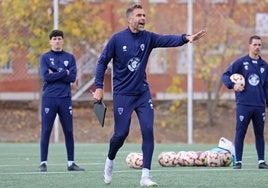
point(244, 114)
point(123, 107)
point(50, 108)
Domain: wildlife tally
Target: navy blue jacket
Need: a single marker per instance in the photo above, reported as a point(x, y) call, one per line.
point(130, 53)
point(58, 83)
point(255, 73)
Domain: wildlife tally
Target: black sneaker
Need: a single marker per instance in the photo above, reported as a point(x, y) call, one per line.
point(42, 168)
point(263, 166)
point(74, 167)
point(238, 165)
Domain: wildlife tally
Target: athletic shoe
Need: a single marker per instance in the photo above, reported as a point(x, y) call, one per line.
point(147, 182)
point(263, 166)
point(75, 167)
point(108, 170)
point(238, 166)
point(42, 167)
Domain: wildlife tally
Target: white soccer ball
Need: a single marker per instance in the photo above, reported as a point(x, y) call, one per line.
point(213, 158)
point(226, 158)
point(167, 159)
point(201, 159)
point(161, 159)
point(238, 79)
point(134, 160)
point(129, 159)
point(138, 160)
point(180, 158)
point(189, 157)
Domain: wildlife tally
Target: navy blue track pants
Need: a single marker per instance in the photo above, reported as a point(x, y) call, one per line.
point(50, 108)
point(244, 114)
point(124, 105)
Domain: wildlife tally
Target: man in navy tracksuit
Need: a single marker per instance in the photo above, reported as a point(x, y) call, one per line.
point(58, 71)
point(251, 99)
point(130, 50)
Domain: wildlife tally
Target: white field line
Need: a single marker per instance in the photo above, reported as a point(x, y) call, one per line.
point(165, 169)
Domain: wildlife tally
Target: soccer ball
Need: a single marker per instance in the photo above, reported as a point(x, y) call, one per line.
point(138, 160)
point(201, 159)
point(213, 158)
point(160, 159)
point(167, 159)
point(189, 157)
point(226, 158)
point(134, 160)
point(129, 159)
point(238, 79)
point(179, 158)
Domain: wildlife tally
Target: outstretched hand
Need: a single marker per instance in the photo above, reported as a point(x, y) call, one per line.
point(196, 36)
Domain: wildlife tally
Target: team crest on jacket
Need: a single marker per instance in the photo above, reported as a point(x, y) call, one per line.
point(142, 46)
point(133, 64)
point(253, 79)
point(52, 61)
point(66, 63)
point(246, 65)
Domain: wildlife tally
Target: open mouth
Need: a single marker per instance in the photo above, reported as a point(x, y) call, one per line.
point(142, 24)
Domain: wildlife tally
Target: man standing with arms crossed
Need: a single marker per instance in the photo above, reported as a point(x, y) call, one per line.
point(58, 70)
point(130, 50)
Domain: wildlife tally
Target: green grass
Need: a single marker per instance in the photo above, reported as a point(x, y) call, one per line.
point(19, 162)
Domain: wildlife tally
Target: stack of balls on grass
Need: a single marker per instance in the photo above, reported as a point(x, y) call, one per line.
point(195, 158)
point(184, 158)
point(134, 160)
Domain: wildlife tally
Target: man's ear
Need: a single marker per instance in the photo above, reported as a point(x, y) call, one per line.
point(129, 19)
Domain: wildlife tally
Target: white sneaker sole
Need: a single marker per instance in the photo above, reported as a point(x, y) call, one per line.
point(148, 184)
point(107, 180)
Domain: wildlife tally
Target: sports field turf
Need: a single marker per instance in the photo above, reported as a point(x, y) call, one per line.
point(19, 162)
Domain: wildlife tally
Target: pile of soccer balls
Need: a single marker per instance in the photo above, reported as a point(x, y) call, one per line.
point(223, 155)
point(184, 158)
point(195, 158)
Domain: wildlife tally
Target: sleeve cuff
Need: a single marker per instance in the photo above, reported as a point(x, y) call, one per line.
point(184, 38)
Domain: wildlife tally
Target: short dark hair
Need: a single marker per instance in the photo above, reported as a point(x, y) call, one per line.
point(254, 37)
point(56, 33)
point(130, 9)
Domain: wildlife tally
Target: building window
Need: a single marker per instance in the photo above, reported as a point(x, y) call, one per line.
point(31, 69)
point(158, 61)
point(182, 61)
point(133, 1)
point(184, 1)
point(95, 1)
point(7, 68)
point(219, 1)
point(245, 1)
point(64, 2)
point(158, 1)
point(262, 24)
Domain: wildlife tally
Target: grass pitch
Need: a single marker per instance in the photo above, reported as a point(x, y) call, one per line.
point(19, 162)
